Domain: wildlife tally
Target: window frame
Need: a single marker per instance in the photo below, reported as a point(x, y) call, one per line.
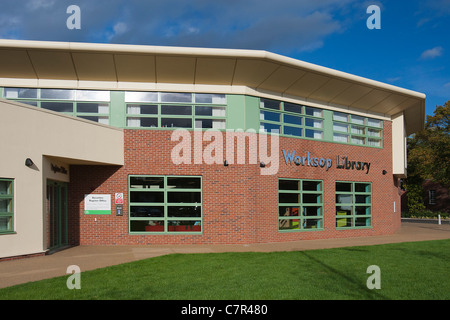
point(165, 218)
point(76, 99)
point(193, 117)
point(349, 124)
point(432, 197)
point(11, 213)
point(339, 218)
point(303, 219)
point(283, 125)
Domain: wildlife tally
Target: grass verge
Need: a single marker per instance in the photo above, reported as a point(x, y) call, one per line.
point(409, 271)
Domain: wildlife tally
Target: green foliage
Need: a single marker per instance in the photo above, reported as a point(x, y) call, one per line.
point(427, 214)
point(428, 158)
point(429, 149)
point(415, 198)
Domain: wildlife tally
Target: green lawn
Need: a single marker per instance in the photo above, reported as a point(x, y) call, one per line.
point(415, 270)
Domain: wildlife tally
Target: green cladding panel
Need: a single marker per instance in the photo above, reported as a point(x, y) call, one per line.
point(118, 109)
point(328, 125)
point(242, 112)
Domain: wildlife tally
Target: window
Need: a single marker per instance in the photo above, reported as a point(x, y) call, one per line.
point(300, 205)
point(353, 129)
point(353, 204)
point(432, 197)
point(91, 95)
point(20, 93)
point(210, 98)
point(66, 107)
point(98, 112)
point(291, 119)
point(165, 204)
point(131, 96)
point(175, 110)
point(6, 205)
point(57, 94)
point(87, 104)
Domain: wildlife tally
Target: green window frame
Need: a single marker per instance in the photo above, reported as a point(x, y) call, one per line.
point(91, 105)
point(165, 204)
point(357, 130)
point(6, 205)
point(353, 204)
point(300, 205)
point(291, 120)
point(171, 110)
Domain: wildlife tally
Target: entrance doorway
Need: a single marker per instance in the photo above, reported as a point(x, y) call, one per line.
point(57, 213)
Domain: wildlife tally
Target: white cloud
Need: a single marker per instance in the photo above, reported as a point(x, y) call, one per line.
point(282, 26)
point(432, 53)
point(37, 4)
point(120, 28)
point(393, 79)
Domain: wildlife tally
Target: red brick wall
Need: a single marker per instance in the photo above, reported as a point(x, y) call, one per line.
point(442, 196)
point(239, 204)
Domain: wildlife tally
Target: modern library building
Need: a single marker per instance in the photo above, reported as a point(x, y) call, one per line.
point(108, 144)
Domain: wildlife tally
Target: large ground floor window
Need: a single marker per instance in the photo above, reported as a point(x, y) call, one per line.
point(6, 205)
point(165, 204)
point(353, 204)
point(300, 205)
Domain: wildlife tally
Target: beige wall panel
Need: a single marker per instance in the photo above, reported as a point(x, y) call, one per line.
point(371, 99)
point(389, 103)
point(351, 94)
point(175, 69)
point(413, 119)
point(398, 146)
point(281, 79)
point(408, 103)
point(330, 90)
point(28, 200)
point(252, 72)
point(135, 68)
point(95, 66)
point(53, 65)
point(307, 84)
point(214, 71)
point(33, 133)
point(15, 64)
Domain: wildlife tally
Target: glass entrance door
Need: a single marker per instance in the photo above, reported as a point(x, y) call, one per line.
point(57, 213)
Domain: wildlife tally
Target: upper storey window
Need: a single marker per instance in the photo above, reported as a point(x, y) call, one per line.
point(175, 110)
point(92, 105)
point(301, 121)
point(353, 129)
point(291, 119)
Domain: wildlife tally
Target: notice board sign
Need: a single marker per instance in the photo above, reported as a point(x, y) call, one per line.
point(97, 204)
point(119, 198)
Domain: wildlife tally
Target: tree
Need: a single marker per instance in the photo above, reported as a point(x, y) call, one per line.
point(429, 156)
point(429, 149)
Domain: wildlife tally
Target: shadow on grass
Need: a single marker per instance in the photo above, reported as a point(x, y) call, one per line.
point(350, 283)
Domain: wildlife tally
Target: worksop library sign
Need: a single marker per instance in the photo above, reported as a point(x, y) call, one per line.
point(309, 160)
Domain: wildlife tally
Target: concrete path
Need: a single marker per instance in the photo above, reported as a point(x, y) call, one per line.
point(19, 271)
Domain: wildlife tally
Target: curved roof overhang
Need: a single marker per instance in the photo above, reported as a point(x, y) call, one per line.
point(259, 70)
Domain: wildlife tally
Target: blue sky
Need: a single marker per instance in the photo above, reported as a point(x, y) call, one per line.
point(411, 50)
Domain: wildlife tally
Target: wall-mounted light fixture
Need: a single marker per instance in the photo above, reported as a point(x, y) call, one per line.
point(225, 163)
point(384, 172)
point(29, 162)
point(262, 164)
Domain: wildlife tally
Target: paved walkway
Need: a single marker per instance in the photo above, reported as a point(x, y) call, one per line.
point(14, 272)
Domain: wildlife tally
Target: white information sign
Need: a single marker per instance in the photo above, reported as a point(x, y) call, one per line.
point(97, 204)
